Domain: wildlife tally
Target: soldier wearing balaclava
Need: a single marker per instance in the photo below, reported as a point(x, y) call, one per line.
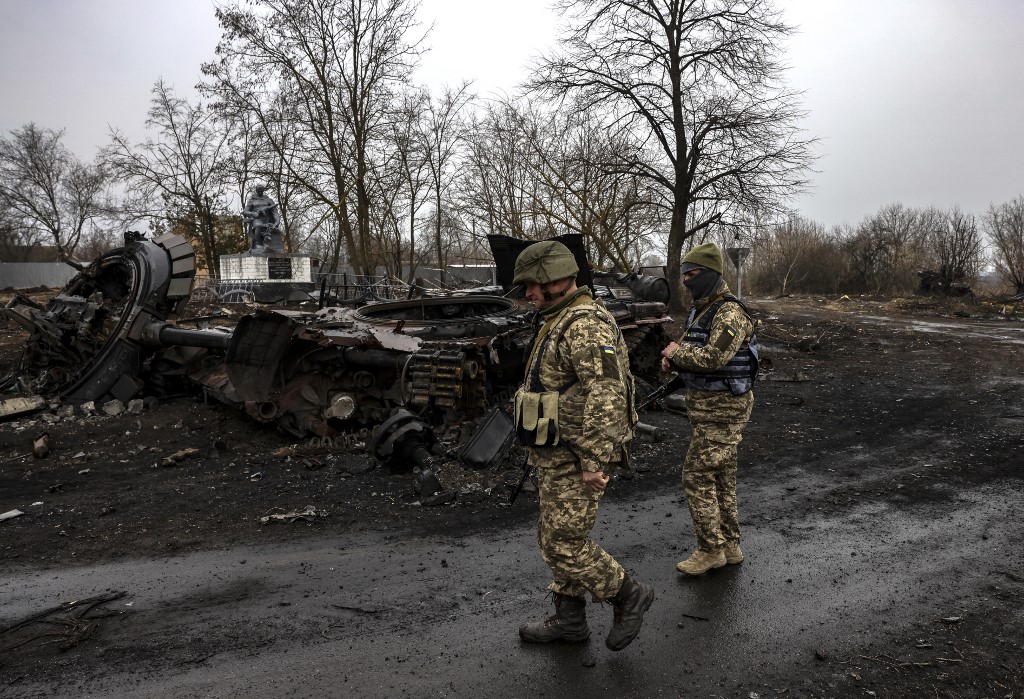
point(717, 359)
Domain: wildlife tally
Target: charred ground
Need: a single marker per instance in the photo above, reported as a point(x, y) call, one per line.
point(908, 405)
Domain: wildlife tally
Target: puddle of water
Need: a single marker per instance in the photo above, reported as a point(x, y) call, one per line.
point(1000, 333)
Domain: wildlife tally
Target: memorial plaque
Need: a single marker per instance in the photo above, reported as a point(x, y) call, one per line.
point(279, 267)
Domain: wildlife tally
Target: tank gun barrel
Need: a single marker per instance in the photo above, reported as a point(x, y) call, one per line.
point(165, 335)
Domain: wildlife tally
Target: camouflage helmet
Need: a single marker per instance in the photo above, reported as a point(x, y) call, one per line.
point(545, 262)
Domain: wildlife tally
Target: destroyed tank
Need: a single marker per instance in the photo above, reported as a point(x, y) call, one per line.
point(435, 361)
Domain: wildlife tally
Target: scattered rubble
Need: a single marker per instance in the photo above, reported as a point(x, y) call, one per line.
point(309, 514)
point(113, 408)
point(445, 497)
point(41, 445)
point(410, 370)
point(179, 456)
point(851, 421)
point(13, 407)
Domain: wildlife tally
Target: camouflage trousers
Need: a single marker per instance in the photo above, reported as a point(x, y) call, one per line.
point(568, 510)
point(709, 478)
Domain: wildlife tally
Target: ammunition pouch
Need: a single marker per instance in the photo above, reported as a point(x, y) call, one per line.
point(536, 418)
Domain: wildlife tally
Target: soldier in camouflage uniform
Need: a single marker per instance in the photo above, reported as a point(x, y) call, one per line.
point(575, 414)
point(717, 359)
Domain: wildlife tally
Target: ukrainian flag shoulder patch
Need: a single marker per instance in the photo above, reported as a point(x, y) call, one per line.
point(609, 362)
point(726, 338)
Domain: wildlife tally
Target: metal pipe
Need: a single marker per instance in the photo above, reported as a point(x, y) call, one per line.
point(379, 359)
point(210, 339)
point(656, 434)
point(163, 335)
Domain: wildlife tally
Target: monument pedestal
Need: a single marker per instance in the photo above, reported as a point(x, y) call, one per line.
point(272, 277)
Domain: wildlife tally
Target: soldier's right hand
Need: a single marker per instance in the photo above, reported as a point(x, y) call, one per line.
point(595, 480)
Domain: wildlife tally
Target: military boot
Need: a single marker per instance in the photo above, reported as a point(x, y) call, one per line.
point(701, 561)
point(569, 623)
point(733, 554)
point(630, 602)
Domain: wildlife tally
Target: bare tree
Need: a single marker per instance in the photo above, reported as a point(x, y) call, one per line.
point(99, 242)
point(242, 163)
point(177, 173)
point(45, 188)
point(1005, 227)
point(577, 193)
point(411, 160)
point(888, 248)
point(385, 218)
point(799, 256)
point(336, 64)
point(956, 246)
point(15, 239)
point(442, 136)
point(697, 87)
point(780, 256)
point(532, 173)
point(497, 186)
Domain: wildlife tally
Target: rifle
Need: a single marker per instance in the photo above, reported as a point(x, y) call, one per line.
point(665, 389)
point(522, 481)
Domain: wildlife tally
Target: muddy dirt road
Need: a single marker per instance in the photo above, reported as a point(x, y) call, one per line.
point(881, 499)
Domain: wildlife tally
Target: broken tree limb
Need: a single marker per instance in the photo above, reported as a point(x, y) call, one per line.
point(66, 606)
point(76, 628)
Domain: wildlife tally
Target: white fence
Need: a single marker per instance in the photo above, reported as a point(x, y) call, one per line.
point(26, 275)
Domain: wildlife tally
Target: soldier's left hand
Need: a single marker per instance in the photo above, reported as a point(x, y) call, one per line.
point(595, 480)
point(667, 352)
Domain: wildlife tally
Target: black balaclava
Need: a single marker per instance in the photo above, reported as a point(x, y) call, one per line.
point(704, 284)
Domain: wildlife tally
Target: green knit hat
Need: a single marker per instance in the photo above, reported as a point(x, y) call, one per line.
point(706, 255)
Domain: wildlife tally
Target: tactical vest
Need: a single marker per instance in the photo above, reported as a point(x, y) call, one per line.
point(739, 374)
point(552, 415)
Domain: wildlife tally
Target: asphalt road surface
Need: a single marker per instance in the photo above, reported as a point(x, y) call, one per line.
point(397, 615)
point(880, 498)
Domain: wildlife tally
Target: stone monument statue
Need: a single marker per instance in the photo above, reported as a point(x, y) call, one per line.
point(263, 218)
point(265, 270)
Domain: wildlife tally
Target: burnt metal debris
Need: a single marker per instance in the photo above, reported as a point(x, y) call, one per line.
point(408, 368)
point(403, 439)
point(90, 340)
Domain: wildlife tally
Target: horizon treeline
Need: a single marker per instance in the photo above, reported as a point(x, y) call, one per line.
point(646, 132)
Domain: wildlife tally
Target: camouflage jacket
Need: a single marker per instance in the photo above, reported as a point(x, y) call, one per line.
point(731, 328)
point(586, 356)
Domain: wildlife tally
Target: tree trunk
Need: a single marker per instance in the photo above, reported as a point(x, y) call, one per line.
point(674, 255)
point(209, 238)
point(412, 238)
point(437, 234)
point(345, 233)
point(363, 215)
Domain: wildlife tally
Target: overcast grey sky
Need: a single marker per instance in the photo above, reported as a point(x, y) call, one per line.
point(915, 101)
